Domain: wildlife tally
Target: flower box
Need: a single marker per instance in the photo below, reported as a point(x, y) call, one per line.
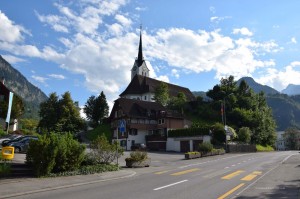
point(192, 155)
point(135, 164)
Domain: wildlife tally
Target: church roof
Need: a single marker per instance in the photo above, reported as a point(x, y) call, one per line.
point(142, 84)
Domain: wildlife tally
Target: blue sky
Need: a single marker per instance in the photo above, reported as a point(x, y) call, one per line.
point(89, 46)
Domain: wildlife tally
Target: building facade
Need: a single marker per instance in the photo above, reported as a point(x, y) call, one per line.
point(137, 119)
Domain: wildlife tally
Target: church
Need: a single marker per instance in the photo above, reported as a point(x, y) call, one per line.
point(137, 119)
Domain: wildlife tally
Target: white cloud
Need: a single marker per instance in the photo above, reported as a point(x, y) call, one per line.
point(216, 19)
point(9, 31)
point(40, 79)
point(175, 73)
point(242, 31)
point(280, 79)
point(13, 59)
point(140, 8)
point(212, 9)
point(206, 51)
point(294, 40)
point(123, 20)
point(163, 78)
point(57, 76)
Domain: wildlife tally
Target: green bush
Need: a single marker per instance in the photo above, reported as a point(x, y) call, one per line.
point(138, 156)
point(54, 153)
point(41, 155)
point(244, 135)
point(261, 148)
point(85, 170)
point(218, 134)
point(193, 153)
point(103, 152)
point(205, 147)
point(189, 132)
point(4, 168)
point(2, 133)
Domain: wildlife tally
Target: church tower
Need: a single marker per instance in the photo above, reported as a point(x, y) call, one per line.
point(139, 66)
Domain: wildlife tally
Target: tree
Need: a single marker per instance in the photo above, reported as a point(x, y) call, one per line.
point(49, 113)
point(244, 135)
point(218, 134)
point(17, 108)
point(291, 135)
point(96, 109)
point(60, 115)
point(29, 126)
point(161, 94)
point(178, 102)
point(69, 120)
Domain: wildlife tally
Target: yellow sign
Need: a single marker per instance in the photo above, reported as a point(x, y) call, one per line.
point(8, 152)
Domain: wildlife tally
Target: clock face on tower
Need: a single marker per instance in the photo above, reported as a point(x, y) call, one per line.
point(134, 68)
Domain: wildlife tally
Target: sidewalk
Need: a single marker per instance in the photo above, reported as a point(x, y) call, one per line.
point(281, 182)
point(10, 188)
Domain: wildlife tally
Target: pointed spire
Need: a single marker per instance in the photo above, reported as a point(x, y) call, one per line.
point(140, 58)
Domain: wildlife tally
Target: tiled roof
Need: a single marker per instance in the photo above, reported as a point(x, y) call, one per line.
point(140, 109)
point(142, 84)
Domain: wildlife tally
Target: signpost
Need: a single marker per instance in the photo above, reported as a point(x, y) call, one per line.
point(121, 129)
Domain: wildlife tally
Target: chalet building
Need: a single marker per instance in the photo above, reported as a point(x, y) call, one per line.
point(137, 118)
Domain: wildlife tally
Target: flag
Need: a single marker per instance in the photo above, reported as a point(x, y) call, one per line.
point(11, 95)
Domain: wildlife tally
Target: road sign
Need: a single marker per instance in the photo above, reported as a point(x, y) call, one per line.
point(122, 126)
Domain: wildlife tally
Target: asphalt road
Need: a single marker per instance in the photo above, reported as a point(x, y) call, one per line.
point(228, 176)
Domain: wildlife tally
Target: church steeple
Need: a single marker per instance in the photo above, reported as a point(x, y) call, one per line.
point(139, 66)
point(140, 58)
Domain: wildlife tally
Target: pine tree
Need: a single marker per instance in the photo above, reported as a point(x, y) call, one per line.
point(96, 109)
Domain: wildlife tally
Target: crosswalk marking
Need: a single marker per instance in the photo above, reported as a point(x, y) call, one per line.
point(232, 175)
point(184, 172)
point(251, 176)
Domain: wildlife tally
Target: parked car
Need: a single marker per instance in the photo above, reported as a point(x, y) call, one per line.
point(7, 142)
point(23, 144)
point(139, 146)
point(9, 137)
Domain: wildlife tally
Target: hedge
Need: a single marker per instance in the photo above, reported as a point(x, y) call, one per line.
point(199, 131)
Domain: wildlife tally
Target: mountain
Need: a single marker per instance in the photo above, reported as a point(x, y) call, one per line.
point(292, 89)
point(258, 87)
point(17, 83)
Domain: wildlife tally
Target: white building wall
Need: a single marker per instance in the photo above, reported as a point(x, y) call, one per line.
point(173, 145)
point(144, 97)
point(139, 138)
point(206, 138)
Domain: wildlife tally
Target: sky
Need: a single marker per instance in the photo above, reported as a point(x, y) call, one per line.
point(89, 46)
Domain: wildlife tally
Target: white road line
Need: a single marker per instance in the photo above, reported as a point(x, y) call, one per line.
point(195, 164)
point(170, 185)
